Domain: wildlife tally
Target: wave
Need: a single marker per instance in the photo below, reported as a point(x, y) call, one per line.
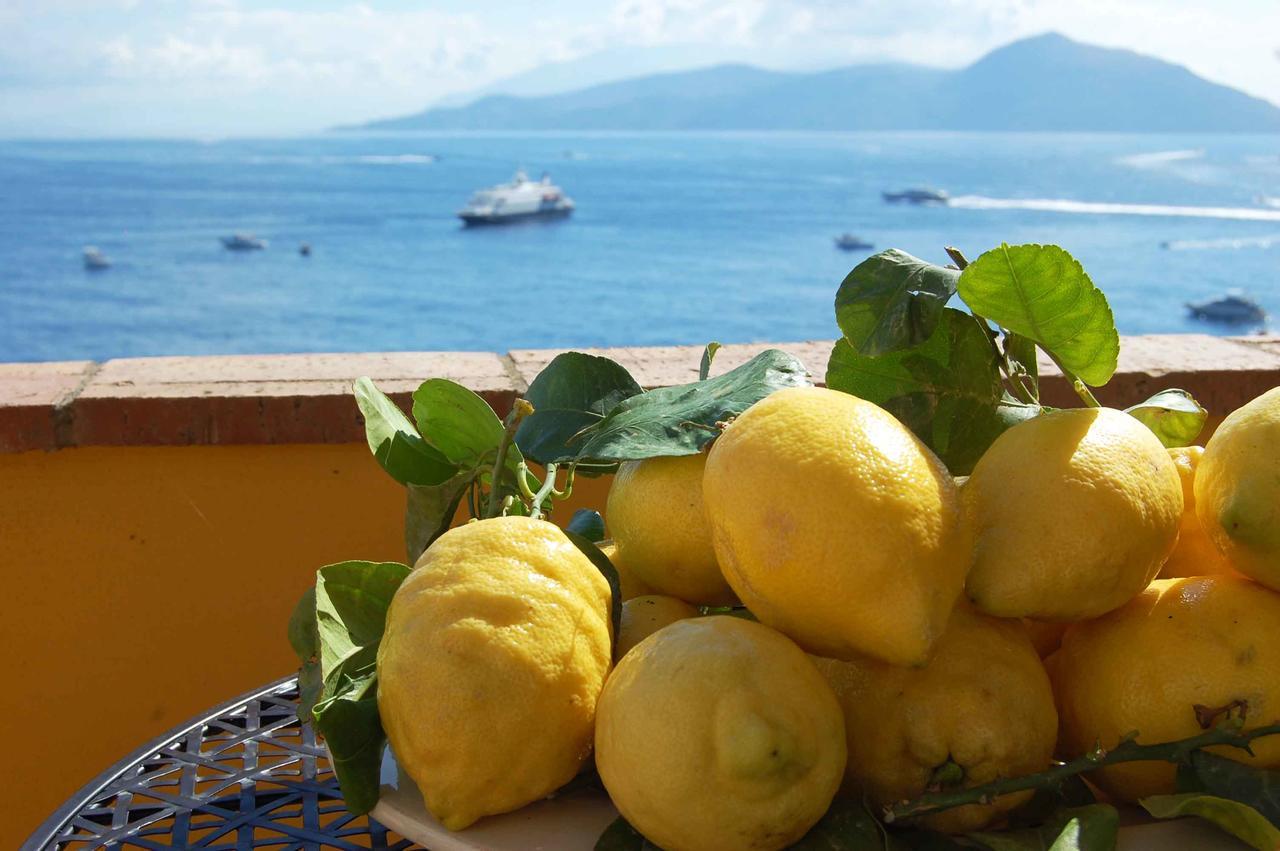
point(1102, 208)
point(1229, 243)
point(1159, 158)
point(396, 159)
point(329, 159)
point(1269, 201)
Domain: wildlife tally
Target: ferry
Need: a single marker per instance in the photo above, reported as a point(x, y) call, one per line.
point(243, 242)
point(850, 242)
point(95, 259)
point(520, 200)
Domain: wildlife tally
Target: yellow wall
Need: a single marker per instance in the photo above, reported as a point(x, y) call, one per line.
point(144, 585)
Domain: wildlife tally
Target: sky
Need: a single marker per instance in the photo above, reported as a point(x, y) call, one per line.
point(221, 68)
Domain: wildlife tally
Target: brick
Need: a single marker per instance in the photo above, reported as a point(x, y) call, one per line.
point(31, 397)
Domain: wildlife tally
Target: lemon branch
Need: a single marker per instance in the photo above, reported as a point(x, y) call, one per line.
point(1228, 733)
point(521, 409)
point(1015, 378)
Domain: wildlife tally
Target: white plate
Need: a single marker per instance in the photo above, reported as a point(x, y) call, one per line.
point(573, 822)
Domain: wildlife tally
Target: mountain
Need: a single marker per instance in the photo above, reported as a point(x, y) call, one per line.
point(1043, 83)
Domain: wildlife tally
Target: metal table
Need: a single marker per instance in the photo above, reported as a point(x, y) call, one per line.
point(245, 775)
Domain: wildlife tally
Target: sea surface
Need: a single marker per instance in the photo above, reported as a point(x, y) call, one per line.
point(677, 238)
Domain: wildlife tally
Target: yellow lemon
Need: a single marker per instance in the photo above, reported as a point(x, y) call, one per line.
point(1238, 488)
point(980, 710)
point(495, 652)
point(719, 734)
point(656, 518)
point(1205, 641)
point(1074, 512)
point(1195, 554)
point(643, 616)
point(835, 525)
point(631, 585)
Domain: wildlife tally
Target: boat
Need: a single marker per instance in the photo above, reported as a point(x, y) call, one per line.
point(850, 242)
point(1235, 306)
point(520, 200)
point(95, 259)
point(305, 249)
point(243, 242)
point(917, 196)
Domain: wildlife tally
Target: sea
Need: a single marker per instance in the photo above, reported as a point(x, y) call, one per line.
point(676, 238)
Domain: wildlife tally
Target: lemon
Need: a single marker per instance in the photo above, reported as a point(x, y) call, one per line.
point(982, 704)
point(1074, 512)
point(719, 734)
point(656, 518)
point(1202, 640)
point(1195, 554)
point(835, 525)
point(495, 652)
point(643, 616)
point(630, 584)
point(1238, 488)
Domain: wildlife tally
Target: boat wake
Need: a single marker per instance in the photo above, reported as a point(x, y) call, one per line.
point(1101, 208)
point(1225, 243)
point(1156, 159)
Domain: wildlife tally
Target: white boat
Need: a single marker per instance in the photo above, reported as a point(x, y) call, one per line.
point(95, 259)
point(243, 242)
point(519, 200)
point(1235, 306)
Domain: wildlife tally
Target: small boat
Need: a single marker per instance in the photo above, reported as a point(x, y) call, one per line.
point(305, 249)
point(95, 259)
point(1235, 306)
point(243, 242)
point(519, 200)
point(849, 242)
point(916, 196)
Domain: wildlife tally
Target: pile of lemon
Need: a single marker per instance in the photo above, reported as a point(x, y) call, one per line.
point(901, 621)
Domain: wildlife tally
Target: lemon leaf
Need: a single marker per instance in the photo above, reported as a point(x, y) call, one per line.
point(459, 424)
point(1240, 820)
point(892, 301)
point(1229, 778)
point(588, 523)
point(1042, 293)
point(1089, 828)
point(429, 510)
point(610, 574)
point(680, 420)
point(947, 389)
point(621, 836)
point(708, 355)
point(574, 391)
point(1173, 415)
point(848, 826)
point(394, 441)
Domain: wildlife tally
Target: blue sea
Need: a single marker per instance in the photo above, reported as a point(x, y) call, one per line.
point(677, 238)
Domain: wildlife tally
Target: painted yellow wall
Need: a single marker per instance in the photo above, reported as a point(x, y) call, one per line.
point(144, 585)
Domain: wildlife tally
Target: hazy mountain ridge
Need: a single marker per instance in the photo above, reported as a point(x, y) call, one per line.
point(1044, 83)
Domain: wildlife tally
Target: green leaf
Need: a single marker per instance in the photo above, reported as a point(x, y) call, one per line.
point(681, 420)
point(610, 573)
point(848, 826)
point(1089, 828)
point(573, 392)
point(708, 355)
point(429, 511)
point(1041, 292)
point(587, 523)
point(1229, 778)
point(1174, 415)
point(892, 301)
point(351, 608)
point(304, 637)
point(1046, 800)
point(621, 836)
point(395, 443)
point(1240, 820)
point(947, 389)
point(460, 424)
point(349, 721)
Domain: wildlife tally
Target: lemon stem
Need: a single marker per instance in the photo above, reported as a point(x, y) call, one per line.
point(1227, 733)
point(521, 409)
point(547, 490)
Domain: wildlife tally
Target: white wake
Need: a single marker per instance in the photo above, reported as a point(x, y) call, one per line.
point(1101, 208)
